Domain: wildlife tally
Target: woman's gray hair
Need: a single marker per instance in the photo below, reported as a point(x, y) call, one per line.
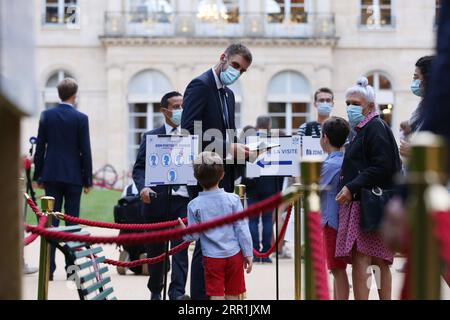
point(363, 89)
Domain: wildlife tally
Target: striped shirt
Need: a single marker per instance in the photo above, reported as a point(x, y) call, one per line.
point(315, 133)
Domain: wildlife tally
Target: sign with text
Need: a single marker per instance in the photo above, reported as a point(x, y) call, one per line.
point(170, 159)
point(311, 147)
point(280, 161)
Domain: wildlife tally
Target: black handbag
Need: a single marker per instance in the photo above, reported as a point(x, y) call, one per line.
point(374, 200)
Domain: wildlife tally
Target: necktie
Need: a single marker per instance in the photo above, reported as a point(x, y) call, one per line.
point(174, 131)
point(223, 101)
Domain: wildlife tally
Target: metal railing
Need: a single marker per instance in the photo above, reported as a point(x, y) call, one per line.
point(253, 25)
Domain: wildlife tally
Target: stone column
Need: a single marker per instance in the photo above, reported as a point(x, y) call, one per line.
point(116, 119)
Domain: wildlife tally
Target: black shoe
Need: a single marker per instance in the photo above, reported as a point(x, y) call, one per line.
point(183, 297)
point(155, 296)
point(50, 277)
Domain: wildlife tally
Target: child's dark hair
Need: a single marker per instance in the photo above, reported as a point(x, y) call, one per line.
point(208, 169)
point(337, 130)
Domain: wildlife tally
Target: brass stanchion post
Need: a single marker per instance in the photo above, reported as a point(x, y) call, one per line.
point(240, 190)
point(47, 204)
point(298, 243)
point(426, 168)
point(310, 175)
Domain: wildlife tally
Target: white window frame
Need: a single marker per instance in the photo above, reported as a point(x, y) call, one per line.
point(289, 114)
point(150, 27)
point(221, 27)
point(287, 28)
point(383, 96)
point(50, 94)
point(390, 26)
point(61, 14)
point(150, 116)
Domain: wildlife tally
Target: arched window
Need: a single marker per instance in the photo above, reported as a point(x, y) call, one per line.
point(145, 91)
point(51, 98)
point(384, 95)
point(236, 88)
point(289, 98)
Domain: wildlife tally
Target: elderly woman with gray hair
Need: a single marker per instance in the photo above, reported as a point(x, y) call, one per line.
point(371, 161)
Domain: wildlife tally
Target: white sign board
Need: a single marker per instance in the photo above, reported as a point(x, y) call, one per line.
point(311, 147)
point(282, 161)
point(170, 159)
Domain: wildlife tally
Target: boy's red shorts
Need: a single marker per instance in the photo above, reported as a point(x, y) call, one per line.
point(224, 276)
point(329, 240)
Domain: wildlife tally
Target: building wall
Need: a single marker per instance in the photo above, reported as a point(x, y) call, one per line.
point(104, 67)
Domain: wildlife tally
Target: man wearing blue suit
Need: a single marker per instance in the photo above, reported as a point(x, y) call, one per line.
point(210, 105)
point(156, 210)
point(63, 162)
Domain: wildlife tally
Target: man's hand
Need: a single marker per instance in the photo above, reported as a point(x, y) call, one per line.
point(181, 224)
point(344, 197)
point(248, 264)
point(145, 195)
point(405, 149)
point(87, 190)
point(239, 151)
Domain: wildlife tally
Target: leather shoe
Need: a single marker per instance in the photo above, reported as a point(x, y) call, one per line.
point(155, 296)
point(183, 297)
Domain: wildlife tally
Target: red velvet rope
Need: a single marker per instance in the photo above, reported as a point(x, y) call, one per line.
point(107, 225)
point(34, 207)
point(122, 226)
point(154, 260)
point(258, 254)
point(32, 237)
point(164, 235)
point(318, 256)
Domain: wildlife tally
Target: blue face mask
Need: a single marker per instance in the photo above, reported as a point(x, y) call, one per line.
point(355, 115)
point(416, 88)
point(324, 108)
point(229, 76)
point(176, 116)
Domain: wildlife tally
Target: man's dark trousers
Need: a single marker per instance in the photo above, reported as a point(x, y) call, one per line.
point(71, 195)
point(180, 265)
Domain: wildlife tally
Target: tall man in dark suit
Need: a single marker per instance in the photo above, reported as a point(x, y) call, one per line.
point(156, 210)
point(63, 162)
point(209, 105)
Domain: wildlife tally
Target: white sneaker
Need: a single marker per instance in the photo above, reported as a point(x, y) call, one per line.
point(286, 253)
point(29, 270)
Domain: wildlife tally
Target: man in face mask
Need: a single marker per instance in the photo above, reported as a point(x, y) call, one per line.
point(210, 104)
point(155, 210)
point(324, 103)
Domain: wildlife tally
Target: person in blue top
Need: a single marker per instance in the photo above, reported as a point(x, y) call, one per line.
point(227, 250)
point(334, 134)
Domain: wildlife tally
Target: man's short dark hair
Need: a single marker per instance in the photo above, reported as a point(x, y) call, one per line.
point(167, 96)
point(337, 130)
point(323, 90)
point(67, 88)
point(264, 122)
point(208, 169)
point(239, 49)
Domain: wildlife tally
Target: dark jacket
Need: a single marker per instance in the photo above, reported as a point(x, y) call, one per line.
point(202, 103)
point(157, 208)
point(262, 187)
point(437, 101)
point(63, 150)
point(371, 159)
